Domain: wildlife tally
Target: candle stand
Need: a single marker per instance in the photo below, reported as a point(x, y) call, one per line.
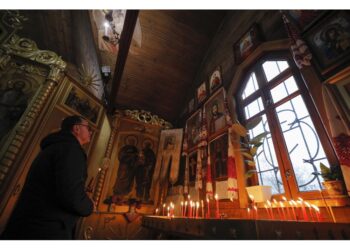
point(242, 229)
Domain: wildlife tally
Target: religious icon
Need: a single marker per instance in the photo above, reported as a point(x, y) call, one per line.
point(201, 92)
point(215, 80)
point(192, 164)
point(218, 155)
point(193, 128)
point(215, 113)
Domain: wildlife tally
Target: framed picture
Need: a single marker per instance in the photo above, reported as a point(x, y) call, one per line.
point(329, 42)
point(218, 156)
point(201, 92)
point(78, 101)
point(215, 80)
point(192, 167)
point(191, 105)
point(193, 127)
point(247, 43)
point(215, 113)
point(303, 19)
point(342, 93)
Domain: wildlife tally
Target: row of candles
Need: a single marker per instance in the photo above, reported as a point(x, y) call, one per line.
point(190, 209)
point(299, 210)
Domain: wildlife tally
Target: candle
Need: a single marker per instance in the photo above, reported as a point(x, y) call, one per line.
point(202, 203)
point(185, 209)
point(181, 208)
point(267, 211)
point(291, 203)
point(217, 206)
point(248, 212)
point(282, 208)
point(271, 211)
point(168, 211)
point(208, 213)
point(193, 209)
point(190, 209)
point(310, 210)
point(278, 209)
point(301, 201)
point(163, 209)
point(317, 212)
point(288, 216)
point(157, 211)
point(256, 212)
point(197, 207)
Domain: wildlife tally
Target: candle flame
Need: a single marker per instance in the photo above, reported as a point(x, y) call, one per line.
point(284, 198)
point(185, 203)
point(269, 203)
point(300, 199)
point(182, 203)
point(157, 210)
point(208, 200)
point(197, 204)
point(255, 208)
point(189, 197)
point(274, 201)
point(216, 196)
point(307, 204)
point(164, 205)
point(248, 209)
point(315, 207)
point(265, 206)
point(281, 204)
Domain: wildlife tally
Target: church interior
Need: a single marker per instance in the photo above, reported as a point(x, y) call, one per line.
point(206, 124)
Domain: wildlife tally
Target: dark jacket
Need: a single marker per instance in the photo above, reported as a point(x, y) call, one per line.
point(53, 196)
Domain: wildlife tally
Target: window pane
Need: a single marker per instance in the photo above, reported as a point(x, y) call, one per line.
point(303, 144)
point(251, 86)
point(265, 159)
point(284, 89)
point(253, 108)
point(274, 68)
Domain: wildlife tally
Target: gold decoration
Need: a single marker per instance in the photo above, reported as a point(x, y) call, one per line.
point(88, 77)
point(13, 19)
point(29, 69)
point(27, 48)
point(88, 233)
point(147, 117)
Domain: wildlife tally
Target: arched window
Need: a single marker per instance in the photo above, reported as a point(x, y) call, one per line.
point(289, 159)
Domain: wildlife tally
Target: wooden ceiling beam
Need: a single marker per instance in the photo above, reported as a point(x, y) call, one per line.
point(124, 45)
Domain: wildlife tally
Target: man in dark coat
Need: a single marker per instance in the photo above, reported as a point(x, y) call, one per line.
point(53, 196)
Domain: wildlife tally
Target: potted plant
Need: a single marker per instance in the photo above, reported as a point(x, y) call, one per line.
point(249, 148)
point(333, 180)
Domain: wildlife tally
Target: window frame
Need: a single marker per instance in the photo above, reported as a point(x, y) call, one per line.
point(289, 183)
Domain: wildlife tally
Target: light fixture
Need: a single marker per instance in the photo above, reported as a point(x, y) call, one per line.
point(113, 36)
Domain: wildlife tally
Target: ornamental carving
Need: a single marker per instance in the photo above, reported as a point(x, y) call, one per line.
point(28, 49)
point(147, 117)
point(13, 19)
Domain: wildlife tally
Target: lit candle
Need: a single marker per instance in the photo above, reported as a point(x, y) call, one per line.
point(193, 209)
point(291, 203)
point(163, 209)
point(168, 211)
point(181, 208)
point(202, 203)
point(217, 206)
point(185, 209)
point(317, 211)
point(157, 211)
point(256, 212)
point(282, 208)
point(190, 209)
point(288, 216)
point(248, 212)
point(208, 205)
point(267, 211)
point(310, 210)
point(271, 211)
point(197, 208)
point(278, 209)
point(301, 201)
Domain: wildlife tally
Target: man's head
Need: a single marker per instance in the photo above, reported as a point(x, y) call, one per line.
point(79, 127)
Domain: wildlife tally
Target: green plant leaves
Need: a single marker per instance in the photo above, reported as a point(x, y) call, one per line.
point(253, 123)
point(257, 139)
